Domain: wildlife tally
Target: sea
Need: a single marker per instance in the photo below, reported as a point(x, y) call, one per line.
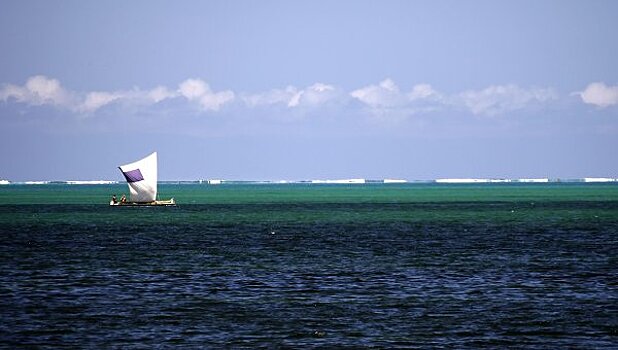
point(305, 266)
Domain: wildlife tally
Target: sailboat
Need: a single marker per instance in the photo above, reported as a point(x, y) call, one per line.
point(141, 177)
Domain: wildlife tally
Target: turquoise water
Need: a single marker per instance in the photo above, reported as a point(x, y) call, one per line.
point(280, 193)
point(305, 265)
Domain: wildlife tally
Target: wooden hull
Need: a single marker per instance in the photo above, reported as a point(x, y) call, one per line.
point(163, 203)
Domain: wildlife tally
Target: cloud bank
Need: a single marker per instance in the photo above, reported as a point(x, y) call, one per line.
point(502, 99)
point(385, 98)
point(38, 90)
point(311, 96)
point(41, 90)
point(199, 91)
point(423, 98)
point(385, 94)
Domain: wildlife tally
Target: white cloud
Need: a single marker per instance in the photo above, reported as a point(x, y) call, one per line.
point(500, 99)
point(45, 90)
point(387, 100)
point(316, 94)
point(275, 96)
point(160, 93)
point(193, 89)
point(41, 90)
point(295, 100)
point(199, 91)
point(11, 91)
point(385, 94)
point(389, 85)
point(423, 91)
point(384, 99)
point(216, 100)
point(600, 95)
point(38, 90)
point(97, 99)
point(291, 96)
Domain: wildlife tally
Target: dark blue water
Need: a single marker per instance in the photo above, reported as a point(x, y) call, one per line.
point(311, 275)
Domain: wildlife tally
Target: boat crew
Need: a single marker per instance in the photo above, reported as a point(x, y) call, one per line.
point(114, 200)
point(123, 199)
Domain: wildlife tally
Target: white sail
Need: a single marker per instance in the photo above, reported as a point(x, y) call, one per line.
point(142, 178)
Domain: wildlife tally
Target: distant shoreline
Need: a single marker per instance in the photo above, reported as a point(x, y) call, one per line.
point(354, 181)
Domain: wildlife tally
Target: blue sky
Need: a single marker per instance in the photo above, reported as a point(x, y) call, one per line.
point(309, 89)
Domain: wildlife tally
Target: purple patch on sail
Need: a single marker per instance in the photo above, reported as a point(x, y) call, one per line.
point(133, 175)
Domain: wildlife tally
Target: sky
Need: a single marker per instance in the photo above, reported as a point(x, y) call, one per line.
point(294, 90)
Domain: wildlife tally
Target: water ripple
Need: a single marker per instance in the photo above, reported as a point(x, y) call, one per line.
point(405, 276)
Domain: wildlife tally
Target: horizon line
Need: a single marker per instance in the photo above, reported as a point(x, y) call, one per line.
point(466, 180)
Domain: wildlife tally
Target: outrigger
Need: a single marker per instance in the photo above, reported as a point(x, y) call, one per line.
point(141, 177)
point(165, 203)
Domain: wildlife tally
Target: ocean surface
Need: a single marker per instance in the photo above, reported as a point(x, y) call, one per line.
point(524, 266)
